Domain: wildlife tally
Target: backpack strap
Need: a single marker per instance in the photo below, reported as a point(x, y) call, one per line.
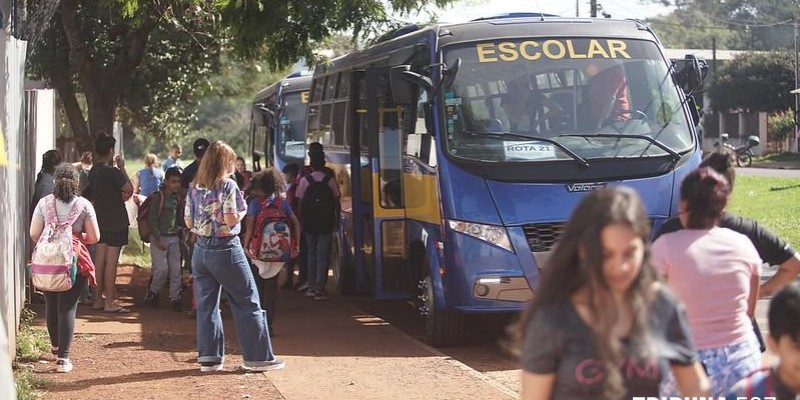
point(310, 178)
point(49, 210)
point(327, 178)
point(74, 213)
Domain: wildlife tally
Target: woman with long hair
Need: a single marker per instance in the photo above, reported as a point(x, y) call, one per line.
point(715, 272)
point(148, 179)
point(45, 178)
point(214, 209)
point(601, 326)
point(66, 202)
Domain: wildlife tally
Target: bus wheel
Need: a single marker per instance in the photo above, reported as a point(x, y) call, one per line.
point(443, 328)
point(344, 278)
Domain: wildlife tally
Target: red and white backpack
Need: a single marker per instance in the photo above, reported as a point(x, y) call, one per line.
point(272, 236)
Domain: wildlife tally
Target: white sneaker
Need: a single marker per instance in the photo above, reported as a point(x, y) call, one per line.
point(211, 367)
point(270, 366)
point(63, 365)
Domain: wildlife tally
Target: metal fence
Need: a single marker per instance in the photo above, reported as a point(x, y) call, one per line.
point(15, 187)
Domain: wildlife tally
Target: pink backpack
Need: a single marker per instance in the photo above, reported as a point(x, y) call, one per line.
point(54, 261)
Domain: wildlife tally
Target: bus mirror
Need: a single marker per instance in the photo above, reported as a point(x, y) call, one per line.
point(260, 114)
point(405, 84)
point(690, 78)
point(693, 111)
point(451, 72)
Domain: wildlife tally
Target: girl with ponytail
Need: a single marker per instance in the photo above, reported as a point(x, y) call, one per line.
point(715, 272)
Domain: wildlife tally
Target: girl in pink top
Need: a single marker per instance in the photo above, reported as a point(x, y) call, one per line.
point(715, 272)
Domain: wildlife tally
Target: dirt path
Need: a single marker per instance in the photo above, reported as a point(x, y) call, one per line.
point(333, 350)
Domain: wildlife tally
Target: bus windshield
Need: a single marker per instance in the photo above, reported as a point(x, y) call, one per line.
point(292, 124)
point(594, 97)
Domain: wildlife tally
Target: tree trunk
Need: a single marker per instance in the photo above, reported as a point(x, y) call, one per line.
point(102, 107)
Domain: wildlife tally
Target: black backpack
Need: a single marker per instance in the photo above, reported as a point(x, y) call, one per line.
point(317, 206)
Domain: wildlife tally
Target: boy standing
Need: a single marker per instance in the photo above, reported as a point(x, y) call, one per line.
point(165, 247)
point(780, 382)
point(290, 172)
point(173, 159)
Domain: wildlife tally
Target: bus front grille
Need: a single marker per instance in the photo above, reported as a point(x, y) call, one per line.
point(542, 237)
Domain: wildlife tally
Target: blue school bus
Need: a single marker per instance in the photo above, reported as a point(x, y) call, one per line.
point(462, 149)
point(277, 127)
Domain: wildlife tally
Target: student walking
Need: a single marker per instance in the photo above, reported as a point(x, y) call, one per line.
point(45, 181)
point(715, 272)
point(271, 236)
point(601, 326)
point(163, 219)
point(214, 208)
point(65, 204)
point(318, 194)
point(148, 179)
point(110, 187)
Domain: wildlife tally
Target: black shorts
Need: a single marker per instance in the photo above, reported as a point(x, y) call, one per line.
point(114, 238)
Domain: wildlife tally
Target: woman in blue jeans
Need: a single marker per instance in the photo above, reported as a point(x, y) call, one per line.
point(214, 208)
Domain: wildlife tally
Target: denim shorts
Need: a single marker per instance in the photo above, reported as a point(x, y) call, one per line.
point(724, 365)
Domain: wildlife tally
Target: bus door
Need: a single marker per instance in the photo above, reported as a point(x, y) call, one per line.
point(380, 246)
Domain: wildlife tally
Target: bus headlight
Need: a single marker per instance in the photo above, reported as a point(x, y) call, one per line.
point(495, 235)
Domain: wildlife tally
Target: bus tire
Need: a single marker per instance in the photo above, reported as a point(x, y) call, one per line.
point(344, 278)
point(442, 328)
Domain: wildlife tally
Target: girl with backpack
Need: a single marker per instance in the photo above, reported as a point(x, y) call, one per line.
point(65, 206)
point(214, 209)
point(272, 235)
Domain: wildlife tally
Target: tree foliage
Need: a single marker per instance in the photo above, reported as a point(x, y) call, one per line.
point(147, 62)
point(755, 82)
point(737, 24)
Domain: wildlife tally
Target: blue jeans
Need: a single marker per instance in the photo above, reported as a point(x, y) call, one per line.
point(319, 249)
point(220, 262)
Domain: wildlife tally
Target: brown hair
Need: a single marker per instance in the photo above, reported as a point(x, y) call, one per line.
point(723, 162)
point(269, 181)
point(577, 263)
point(216, 165)
point(706, 193)
point(150, 159)
point(67, 182)
point(86, 157)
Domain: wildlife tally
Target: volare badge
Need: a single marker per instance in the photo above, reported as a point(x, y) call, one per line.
point(585, 187)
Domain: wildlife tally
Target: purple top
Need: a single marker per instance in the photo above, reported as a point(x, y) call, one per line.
point(206, 208)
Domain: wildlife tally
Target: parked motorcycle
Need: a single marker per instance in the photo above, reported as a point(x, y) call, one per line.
point(744, 154)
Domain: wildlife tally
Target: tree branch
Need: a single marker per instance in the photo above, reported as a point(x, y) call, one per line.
point(133, 48)
point(78, 51)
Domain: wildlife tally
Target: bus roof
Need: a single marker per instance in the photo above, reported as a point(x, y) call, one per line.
point(294, 82)
point(494, 28)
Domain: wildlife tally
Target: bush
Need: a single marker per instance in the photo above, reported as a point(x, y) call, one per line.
point(780, 126)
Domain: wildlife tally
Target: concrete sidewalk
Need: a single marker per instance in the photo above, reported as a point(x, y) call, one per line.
point(332, 349)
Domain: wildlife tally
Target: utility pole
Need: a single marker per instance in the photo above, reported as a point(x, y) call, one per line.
point(797, 80)
point(593, 8)
point(577, 8)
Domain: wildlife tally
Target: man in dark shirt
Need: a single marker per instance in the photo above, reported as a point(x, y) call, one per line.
point(199, 147)
point(110, 187)
point(771, 248)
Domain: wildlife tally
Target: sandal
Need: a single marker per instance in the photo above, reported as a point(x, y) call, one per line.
point(117, 310)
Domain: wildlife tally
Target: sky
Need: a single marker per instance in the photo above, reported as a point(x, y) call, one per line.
point(466, 10)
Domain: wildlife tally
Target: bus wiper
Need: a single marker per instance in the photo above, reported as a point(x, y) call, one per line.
point(675, 156)
point(508, 135)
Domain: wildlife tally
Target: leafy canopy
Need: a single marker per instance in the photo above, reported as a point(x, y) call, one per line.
point(755, 82)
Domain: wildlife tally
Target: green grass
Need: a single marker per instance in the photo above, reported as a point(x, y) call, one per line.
point(773, 202)
point(779, 157)
point(132, 254)
point(32, 343)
